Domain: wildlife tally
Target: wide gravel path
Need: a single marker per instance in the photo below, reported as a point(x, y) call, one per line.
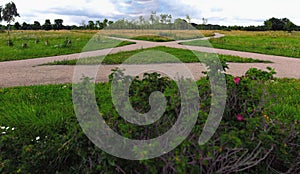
point(27, 72)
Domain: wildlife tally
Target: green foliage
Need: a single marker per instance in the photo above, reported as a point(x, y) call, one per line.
point(43, 135)
point(276, 24)
point(8, 14)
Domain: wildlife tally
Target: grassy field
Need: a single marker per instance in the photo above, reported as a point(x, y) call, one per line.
point(153, 55)
point(37, 47)
point(272, 43)
point(36, 108)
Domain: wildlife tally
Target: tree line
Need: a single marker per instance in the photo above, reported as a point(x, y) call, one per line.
point(58, 25)
point(163, 21)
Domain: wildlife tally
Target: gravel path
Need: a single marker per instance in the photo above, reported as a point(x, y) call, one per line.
point(27, 72)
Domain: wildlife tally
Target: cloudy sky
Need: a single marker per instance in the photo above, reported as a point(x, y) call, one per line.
point(223, 12)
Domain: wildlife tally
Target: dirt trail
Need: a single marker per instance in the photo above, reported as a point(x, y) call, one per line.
point(27, 72)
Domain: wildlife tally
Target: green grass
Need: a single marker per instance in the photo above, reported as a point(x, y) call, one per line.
point(153, 38)
point(37, 108)
point(56, 40)
point(285, 103)
point(155, 55)
point(271, 43)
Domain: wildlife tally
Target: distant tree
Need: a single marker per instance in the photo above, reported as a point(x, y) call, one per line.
point(8, 14)
point(169, 19)
point(274, 24)
point(152, 17)
point(268, 24)
point(288, 25)
point(47, 26)
point(25, 26)
point(17, 26)
point(163, 18)
point(91, 25)
point(98, 24)
point(280, 24)
point(110, 22)
point(36, 25)
point(105, 21)
point(58, 24)
point(141, 20)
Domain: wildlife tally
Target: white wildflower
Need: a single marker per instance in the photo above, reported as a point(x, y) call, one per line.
point(7, 128)
point(13, 129)
point(37, 138)
point(3, 133)
point(2, 127)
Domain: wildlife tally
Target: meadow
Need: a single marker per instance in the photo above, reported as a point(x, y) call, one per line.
point(51, 43)
point(36, 44)
point(269, 42)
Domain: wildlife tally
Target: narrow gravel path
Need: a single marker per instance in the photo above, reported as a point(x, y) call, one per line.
point(27, 72)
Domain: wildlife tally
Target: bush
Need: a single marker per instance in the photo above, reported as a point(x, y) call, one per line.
point(247, 139)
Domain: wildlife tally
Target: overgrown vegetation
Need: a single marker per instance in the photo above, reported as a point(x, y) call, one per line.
point(40, 133)
point(151, 55)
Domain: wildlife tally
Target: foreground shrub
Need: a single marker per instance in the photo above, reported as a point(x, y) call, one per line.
point(247, 140)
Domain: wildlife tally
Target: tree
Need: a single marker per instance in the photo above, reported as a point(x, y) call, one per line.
point(279, 24)
point(169, 19)
point(91, 25)
point(163, 18)
point(24, 26)
point(17, 26)
point(58, 24)
point(8, 14)
point(153, 17)
point(99, 25)
point(110, 22)
point(36, 25)
point(105, 21)
point(47, 25)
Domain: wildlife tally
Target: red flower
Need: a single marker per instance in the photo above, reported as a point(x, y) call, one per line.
point(240, 118)
point(237, 80)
